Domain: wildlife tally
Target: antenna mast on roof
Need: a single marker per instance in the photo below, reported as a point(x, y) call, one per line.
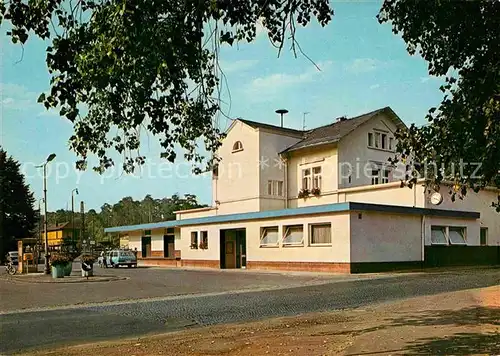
point(304, 120)
point(281, 112)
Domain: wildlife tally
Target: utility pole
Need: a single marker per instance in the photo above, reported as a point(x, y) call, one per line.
point(73, 217)
point(82, 212)
point(304, 121)
point(44, 165)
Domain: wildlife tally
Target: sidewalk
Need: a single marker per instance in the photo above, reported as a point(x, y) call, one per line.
point(459, 323)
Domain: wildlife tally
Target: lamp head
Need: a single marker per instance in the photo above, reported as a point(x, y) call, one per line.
point(76, 190)
point(51, 157)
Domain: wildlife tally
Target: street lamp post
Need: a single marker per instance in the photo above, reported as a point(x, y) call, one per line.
point(73, 215)
point(49, 158)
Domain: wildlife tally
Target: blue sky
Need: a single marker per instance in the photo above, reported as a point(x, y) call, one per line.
point(364, 67)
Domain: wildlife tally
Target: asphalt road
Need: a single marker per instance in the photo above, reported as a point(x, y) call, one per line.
point(23, 330)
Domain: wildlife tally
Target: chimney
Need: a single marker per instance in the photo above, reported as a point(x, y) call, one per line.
point(341, 118)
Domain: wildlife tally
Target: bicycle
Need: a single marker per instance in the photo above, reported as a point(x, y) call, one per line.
point(11, 269)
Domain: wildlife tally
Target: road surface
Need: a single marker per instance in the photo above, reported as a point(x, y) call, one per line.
point(24, 329)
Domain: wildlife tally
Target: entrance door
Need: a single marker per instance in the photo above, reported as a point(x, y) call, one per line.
point(233, 248)
point(168, 246)
point(146, 246)
point(230, 257)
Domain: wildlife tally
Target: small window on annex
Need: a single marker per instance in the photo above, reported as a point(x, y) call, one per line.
point(320, 234)
point(269, 236)
point(438, 235)
point(293, 235)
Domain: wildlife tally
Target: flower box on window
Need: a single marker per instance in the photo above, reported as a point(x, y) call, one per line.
point(316, 192)
point(203, 245)
point(194, 246)
point(304, 193)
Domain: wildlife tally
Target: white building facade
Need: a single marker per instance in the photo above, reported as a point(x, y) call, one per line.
point(321, 200)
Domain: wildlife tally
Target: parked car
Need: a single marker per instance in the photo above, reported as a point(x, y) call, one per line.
point(119, 257)
point(13, 256)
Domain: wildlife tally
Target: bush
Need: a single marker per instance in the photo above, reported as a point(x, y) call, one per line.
point(59, 259)
point(88, 259)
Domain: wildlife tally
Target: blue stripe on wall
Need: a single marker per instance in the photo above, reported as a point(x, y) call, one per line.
point(310, 210)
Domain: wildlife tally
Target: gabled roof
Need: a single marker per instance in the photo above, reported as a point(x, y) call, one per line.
point(334, 132)
point(61, 226)
point(260, 125)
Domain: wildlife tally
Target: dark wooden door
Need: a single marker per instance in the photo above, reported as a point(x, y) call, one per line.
point(146, 246)
point(168, 246)
point(230, 251)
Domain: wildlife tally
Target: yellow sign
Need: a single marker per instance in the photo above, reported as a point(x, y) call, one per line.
point(27, 257)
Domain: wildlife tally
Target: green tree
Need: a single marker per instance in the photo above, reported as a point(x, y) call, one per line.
point(146, 63)
point(459, 40)
point(17, 215)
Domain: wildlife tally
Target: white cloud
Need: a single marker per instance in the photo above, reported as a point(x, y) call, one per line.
point(374, 86)
point(363, 65)
point(264, 86)
point(426, 79)
point(238, 66)
point(17, 97)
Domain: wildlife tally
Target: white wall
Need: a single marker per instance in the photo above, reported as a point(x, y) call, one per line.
point(472, 226)
point(270, 144)
point(238, 171)
point(355, 153)
point(479, 202)
point(135, 240)
point(380, 237)
point(327, 158)
point(338, 251)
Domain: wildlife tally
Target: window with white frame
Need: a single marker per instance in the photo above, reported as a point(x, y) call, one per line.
point(293, 235)
point(438, 235)
point(377, 139)
point(320, 234)
point(275, 187)
point(316, 177)
point(194, 239)
point(448, 235)
point(383, 143)
point(456, 235)
point(306, 178)
point(269, 236)
point(204, 239)
point(385, 175)
point(375, 176)
point(381, 140)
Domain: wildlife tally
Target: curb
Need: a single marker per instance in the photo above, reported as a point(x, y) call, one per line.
point(65, 280)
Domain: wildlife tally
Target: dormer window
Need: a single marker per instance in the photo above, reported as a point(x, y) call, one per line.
point(237, 146)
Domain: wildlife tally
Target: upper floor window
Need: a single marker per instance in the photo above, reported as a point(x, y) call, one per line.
point(381, 140)
point(380, 176)
point(375, 176)
point(385, 176)
point(311, 178)
point(317, 177)
point(275, 187)
point(306, 178)
point(237, 146)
